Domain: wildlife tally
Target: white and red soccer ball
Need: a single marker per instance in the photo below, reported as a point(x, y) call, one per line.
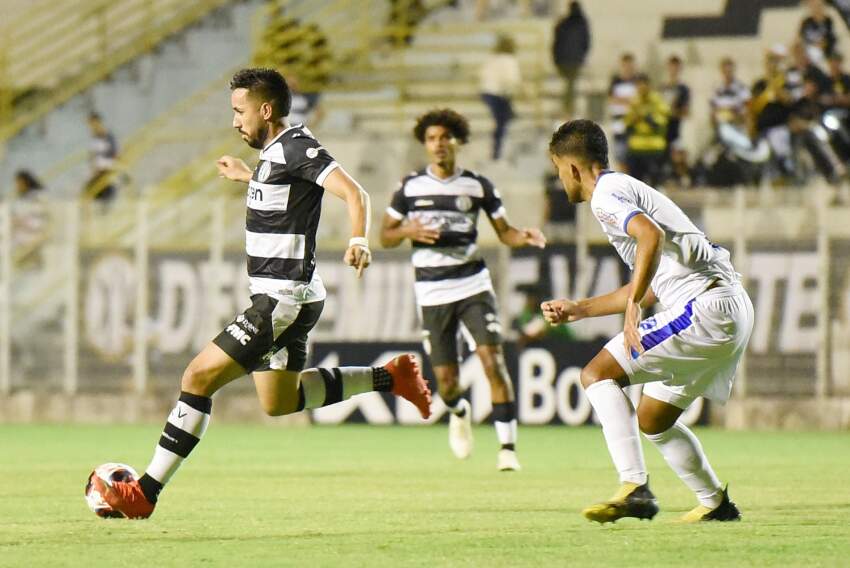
point(108, 473)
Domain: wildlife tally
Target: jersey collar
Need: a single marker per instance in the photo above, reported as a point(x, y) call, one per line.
point(602, 173)
point(449, 179)
point(284, 131)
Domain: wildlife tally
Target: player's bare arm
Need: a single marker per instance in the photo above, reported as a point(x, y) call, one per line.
point(233, 169)
point(567, 311)
point(650, 242)
point(395, 231)
point(517, 238)
point(356, 199)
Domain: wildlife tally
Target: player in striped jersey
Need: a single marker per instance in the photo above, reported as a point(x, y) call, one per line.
point(437, 210)
point(269, 339)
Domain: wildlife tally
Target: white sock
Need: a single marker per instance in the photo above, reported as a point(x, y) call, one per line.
point(456, 406)
point(506, 432)
point(321, 387)
point(683, 453)
point(620, 427)
point(185, 426)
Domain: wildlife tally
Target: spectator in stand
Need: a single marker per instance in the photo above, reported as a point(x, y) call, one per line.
point(569, 51)
point(646, 132)
point(677, 95)
point(770, 109)
point(559, 215)
point(29, 219)
point(500, 80)
point(816, 32)
point(730, 99)
point(802, 68)
point(808, 132)
point(103, 153)
point(620, 94)
point(839, 93)
point(306, 108)
point(403, 17)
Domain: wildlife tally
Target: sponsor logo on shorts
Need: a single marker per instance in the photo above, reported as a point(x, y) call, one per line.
point(246, 323)
point(238, 334)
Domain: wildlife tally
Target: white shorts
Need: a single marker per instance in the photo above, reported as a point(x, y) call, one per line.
point(691, 350)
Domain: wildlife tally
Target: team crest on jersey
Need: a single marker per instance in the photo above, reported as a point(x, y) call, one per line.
point(605, 217)
point(265, 171)
point(312, 152)
point(463, 203)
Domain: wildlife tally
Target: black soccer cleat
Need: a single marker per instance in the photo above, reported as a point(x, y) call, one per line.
point(631, 500)
point(726, 511)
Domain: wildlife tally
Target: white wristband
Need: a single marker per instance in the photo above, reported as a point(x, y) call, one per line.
point(358, 242)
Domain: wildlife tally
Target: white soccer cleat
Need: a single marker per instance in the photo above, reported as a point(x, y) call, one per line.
point(508, 461)
point(460, 432)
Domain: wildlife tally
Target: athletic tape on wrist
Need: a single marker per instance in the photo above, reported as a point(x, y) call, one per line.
point(358, 242)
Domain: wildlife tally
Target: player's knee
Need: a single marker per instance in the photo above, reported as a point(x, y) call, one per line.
point(198, 378)
point(589, 376)
point(650, 424)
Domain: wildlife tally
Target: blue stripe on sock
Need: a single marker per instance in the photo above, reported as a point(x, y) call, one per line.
point(675, 327)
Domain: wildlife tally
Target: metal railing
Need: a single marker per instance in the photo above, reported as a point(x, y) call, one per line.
point(111, 311)
point(58, 49)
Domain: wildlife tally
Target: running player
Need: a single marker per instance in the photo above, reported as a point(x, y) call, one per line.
point(269, 339)
point(691, 349)
point(437, 209)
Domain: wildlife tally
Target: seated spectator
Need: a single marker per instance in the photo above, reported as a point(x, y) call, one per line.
point(770, 108)
point(646, 129)
point(103, 154)
point(802, 68)
point(621, 91)
point(306, 107)
point(730, 99)
point(838, 96)
point(808, 133)
point(816, 32)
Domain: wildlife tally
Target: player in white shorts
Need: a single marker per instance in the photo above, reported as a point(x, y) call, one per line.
point(691, 348)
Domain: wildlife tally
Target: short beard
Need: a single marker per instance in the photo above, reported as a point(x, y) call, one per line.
point(259, 141)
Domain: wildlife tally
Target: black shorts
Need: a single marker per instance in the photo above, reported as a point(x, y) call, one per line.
point(271, 334)
point(478, 314)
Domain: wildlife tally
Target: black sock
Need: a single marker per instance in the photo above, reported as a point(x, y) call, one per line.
point(382, 380)
point(511, 447)
point(150, 487)
point(452, 404)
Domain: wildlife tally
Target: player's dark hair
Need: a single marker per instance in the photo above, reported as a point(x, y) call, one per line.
point(266, 83)
point(581, 138)
point(453, 121)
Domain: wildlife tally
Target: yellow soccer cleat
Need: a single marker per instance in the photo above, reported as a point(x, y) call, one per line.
point(726, 511)
point(631, 500)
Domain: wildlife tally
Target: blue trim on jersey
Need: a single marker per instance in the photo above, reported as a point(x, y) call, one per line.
point(675, 327)
point(629, 218)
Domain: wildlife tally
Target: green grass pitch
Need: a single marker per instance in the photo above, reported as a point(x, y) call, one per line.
point(387, 496)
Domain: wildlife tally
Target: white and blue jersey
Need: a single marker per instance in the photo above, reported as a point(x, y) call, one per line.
point(693, 347)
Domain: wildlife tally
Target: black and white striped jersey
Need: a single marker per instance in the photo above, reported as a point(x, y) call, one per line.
point(284, 206)
point(452, 268)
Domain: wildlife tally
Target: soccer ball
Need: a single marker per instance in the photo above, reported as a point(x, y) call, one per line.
point(108, 473)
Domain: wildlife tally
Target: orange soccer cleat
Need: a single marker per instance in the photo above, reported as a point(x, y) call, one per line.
point(409, 383)
point(125, 497)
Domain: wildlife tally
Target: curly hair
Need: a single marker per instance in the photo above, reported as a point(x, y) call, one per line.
point(453, 121)
point(267, 84)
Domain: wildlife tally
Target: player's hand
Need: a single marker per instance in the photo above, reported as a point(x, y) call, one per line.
point(416, 231)
point(534, 238)
point(562, 311)
point(233, 169)
point(631, 335)
point(359, 257)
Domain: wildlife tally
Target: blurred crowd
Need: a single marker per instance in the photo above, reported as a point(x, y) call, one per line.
point(789, 125)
